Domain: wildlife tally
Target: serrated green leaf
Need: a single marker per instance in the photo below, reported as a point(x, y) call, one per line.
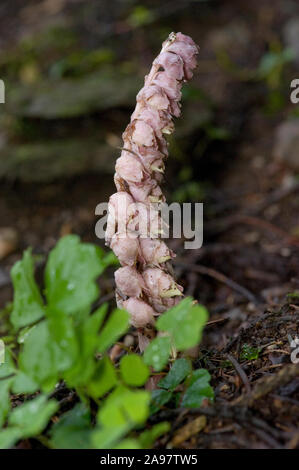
point(8, 437)
point(42, 358)
point(70, 275)
point(133, 370)
point(28, 303)
point(33, 416)
point(158, 399)
point(62, 334)
point(185, 323)
point(149, 437)
point(90, 331)
point(37, 358)
point(73, 430)
point(87, 332)
point(103, 380)
point(116, 326)
point(157, 353)
point(198, 390)
point(178, 372)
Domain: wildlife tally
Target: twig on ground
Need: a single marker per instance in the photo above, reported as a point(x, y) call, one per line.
point(267, 384)
point(240, 371)
point(190, 429)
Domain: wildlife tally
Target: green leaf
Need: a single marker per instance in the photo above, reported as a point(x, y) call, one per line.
point(124, 407)
point(7, 368)
point(70, 275)
point(202, 374)
point(8, 437)
point(178, 372)
point(128, 444)
point(62, 333)
point(42, 358)
point(23, 333)
point(103, 380)
point(38, 358)
point(110, 259)
point(158, 399)
point(27, 304)
point(4, 399)
point(23, 384)
point(185, 323)
point(198, 390)
point(133, 370)
point(88, 332)
point(157, 353)
point(32, 417)
point(122, 410)
point(149, 437)
point(107, 437)
point(116, 326)
point(73, 430)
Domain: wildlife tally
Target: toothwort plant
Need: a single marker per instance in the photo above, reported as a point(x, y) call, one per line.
point(145, 285)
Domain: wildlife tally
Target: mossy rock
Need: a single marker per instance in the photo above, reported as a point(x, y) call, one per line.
point(47, 161)
point(70, 98)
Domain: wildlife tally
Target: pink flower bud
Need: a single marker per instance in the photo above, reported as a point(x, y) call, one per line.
point(160, 284)
point(141, 313)
point(129, 281)
point(119, 211)
point(143, 134)
point(126, 248)
point(130, 168)
point(172, 64)
point(187, 50)
point(169, 84)
point(154, 96)
point(155, 251)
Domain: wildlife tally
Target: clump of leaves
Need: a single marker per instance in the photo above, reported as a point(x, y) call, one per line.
point(62, 342)
point(185, 387)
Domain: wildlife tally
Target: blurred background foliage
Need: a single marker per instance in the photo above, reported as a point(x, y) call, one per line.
point(72, 70)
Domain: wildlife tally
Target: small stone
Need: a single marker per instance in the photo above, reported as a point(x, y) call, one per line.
point(129, 341)
point(8, 241)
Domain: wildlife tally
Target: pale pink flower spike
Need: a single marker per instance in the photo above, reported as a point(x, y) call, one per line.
point(145, 286)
